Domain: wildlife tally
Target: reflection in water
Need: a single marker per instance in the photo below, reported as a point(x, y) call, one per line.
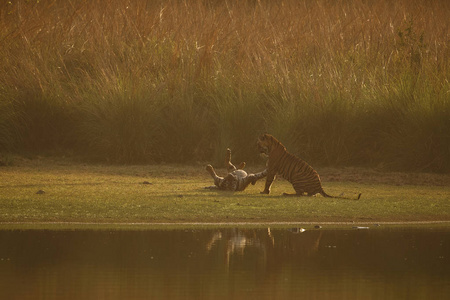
point(234, 242)
point(237, 240)
point(240, 263)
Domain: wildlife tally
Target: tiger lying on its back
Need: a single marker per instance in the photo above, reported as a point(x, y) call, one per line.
point(303, 177)
point(237, 179)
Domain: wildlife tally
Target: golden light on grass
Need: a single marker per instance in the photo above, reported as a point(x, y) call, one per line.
point(339, 82)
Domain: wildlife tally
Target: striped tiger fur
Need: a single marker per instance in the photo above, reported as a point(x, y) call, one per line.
point(301, 175)
point(237, 179)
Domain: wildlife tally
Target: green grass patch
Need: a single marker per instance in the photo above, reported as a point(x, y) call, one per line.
point(117, 194)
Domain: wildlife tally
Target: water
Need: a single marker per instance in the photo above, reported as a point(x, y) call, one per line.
point(229, 263)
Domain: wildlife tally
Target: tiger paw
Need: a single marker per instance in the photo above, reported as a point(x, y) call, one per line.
point(241, 165)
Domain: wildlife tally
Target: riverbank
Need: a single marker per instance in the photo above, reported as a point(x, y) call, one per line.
point(45, 190)
point(298, 227)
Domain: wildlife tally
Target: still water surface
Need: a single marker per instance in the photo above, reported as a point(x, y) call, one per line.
point(229, 263)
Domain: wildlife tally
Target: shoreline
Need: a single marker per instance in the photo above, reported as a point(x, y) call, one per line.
point(74, 225)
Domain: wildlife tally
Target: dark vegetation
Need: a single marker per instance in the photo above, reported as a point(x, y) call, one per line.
point(340, 83)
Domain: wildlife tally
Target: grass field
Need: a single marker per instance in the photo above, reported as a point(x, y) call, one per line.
point(117, 194)
point(341, 83)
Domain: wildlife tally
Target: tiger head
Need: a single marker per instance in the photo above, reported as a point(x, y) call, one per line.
point(267, 143)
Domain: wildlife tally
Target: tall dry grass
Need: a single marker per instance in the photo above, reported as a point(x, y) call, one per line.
point(338, 82)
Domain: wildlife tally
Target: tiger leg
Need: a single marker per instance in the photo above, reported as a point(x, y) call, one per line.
point(228, 165)
point(258, 176)
point(241, 166)
point(217, 179)
point(253, 178)
point(269, 180)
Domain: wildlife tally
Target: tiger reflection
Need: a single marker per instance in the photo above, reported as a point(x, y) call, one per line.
point(264, 242)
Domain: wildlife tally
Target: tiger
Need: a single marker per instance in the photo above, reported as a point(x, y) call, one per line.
point(300, 174)
point(237, 179)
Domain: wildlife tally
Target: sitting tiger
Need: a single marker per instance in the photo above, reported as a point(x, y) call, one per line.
point(237, 179)
point(300, 174)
